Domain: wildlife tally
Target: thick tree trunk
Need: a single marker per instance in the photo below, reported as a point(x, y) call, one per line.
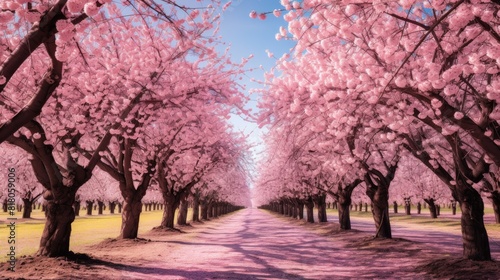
point(169, 212)
point(57, 231)
point(419, 208)
point(378, 192)
point(132, 208)
point(28, 207)
point(320, 201)
point(310, 207)
point(474, 235)
point(120, 206)
point(343, 205)
point(183, 212)
point(196, 208)
point(381, 216)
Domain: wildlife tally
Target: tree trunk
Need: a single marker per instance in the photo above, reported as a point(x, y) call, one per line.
point(419, 208)
point(343, 205)
point(76, 207)
point(57, 231)
point(120, 206)
point(4, 206)
point(474, 235)
point(204, 211)
point(301, 210)
point(395, 206)
point(310, 208)
point(183, 212)
point(495, 200)
point(132, 208)
point(169, 212)
point(112, 207)
point(28, 207)
point(378, 192)
point(432, 207)
point(321, 205)
point(196, 208)
point(89, 207)
point(100, 207)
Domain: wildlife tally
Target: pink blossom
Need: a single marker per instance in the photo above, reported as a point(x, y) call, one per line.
point(262, 16)
point(91, 9)
point(277, 13)
point(253, 14)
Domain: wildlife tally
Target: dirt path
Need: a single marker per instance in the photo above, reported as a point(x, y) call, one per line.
point(249, 244)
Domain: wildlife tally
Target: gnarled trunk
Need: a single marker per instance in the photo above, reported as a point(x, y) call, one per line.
point(378, 192)
point(131, 213)
point(474, 235)
point(57, 231)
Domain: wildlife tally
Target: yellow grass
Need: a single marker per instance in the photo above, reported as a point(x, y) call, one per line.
point(86, 230)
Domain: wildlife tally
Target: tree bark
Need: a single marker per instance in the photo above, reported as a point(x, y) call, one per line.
point(196, 208)
point(112, 207)
point(301, 210)
point(320, 201)
point(57, 231)
point(378, 192)
point(495, 199)
point(474, 235)
point(89, 206)
point(183, 212)
point(131, 213)
point(28, 207)
point(204, 211)
point(432, 207)
point(310, 207)
point(168, 218)
point(76, 207)
point(343, 205)
point(100, 207)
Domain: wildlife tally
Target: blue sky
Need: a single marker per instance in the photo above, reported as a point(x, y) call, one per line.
point(253, 36)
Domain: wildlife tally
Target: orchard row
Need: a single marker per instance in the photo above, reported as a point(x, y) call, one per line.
point(118, 102)
point(386, 97)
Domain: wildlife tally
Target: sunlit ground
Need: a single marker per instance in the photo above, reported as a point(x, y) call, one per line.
point(86, 230)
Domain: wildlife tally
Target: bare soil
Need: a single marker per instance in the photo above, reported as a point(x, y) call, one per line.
point(255, 244)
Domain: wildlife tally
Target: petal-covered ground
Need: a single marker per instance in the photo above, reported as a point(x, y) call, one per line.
point(255, 244)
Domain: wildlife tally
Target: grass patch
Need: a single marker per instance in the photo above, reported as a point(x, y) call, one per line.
point(86, 230)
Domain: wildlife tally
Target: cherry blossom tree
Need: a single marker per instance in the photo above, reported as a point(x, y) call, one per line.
point(413, 64)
